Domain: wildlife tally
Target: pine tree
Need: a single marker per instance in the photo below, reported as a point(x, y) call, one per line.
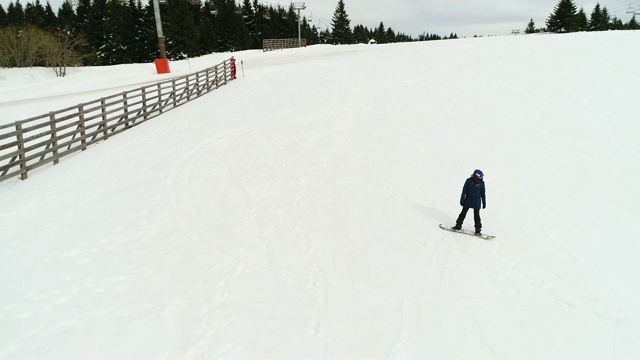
point(34, 14)
point(180, 31)
point(261, 16)
point(360, 34)
point(380, 34)
point(146, 33)
point(96, 30)
point(195, 9)
point(80, 23)
point(241, 38)
point(390, 36)
point(324, 36)
point(65, 16)
point(232, 33)
point(633, 24)
point(606, 19)
point(3, 17)
point(269, 15)
point(531, 27)
point(208, 36)
point(582, 24)
point(15, 14)
point(341, 26)
point(564, 17)
point(50, 19)
point(429, 37)
point(310, 32)
point(286, 27)
point(251, 22)
point(120, 42)
point(599, 19)
point(616, 24)
point(81, 16)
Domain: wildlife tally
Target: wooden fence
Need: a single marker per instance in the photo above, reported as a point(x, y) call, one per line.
point(279, 44)
point(31, 143)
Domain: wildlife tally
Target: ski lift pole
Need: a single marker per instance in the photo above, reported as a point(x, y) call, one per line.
point(162, 64)
point(299, 6)
point(156, 12)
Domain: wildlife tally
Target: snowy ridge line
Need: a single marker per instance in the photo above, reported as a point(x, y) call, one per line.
point(28, 144)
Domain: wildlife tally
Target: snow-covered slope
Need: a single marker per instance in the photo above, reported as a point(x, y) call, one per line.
point(294, 213)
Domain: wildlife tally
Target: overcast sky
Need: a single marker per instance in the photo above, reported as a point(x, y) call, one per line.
point(463, 17)
point(466, 18)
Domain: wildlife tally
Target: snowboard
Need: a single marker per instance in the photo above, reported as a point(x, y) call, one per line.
point(467, 232)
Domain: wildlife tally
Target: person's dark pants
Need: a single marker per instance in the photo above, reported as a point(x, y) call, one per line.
point(476, 218)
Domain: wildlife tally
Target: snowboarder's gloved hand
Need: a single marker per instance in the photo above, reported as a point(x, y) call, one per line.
point(484, 206)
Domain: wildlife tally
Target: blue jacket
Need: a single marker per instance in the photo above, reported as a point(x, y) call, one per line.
point(473, 193)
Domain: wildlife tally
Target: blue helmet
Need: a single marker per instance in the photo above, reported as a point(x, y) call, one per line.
point(479, 173)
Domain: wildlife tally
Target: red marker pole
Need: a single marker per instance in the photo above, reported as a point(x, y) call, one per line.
point(233, 68)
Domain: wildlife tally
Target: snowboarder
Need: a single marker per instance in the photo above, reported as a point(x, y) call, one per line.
point(473, 195)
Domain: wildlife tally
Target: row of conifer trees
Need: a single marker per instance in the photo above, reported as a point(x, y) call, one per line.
point(106, 32)
point(566, 18)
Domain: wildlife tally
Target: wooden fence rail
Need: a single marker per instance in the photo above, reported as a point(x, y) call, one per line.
point(31, 143)
point(279, 44)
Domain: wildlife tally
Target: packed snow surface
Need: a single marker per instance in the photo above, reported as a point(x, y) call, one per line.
point(294, 212)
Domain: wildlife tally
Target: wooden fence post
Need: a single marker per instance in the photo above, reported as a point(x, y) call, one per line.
point(226, 72)
point(198, 92)
point(103, 106)
point(217, 78)
point(83, 133)
point(54, 138)
point(126, 109)
point(160, 98)
point(21, 155)
point(208, 87)
point(144, 104)
point(188, 89)
point(174, 92)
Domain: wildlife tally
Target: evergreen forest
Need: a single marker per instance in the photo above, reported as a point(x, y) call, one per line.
point(108, 32)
